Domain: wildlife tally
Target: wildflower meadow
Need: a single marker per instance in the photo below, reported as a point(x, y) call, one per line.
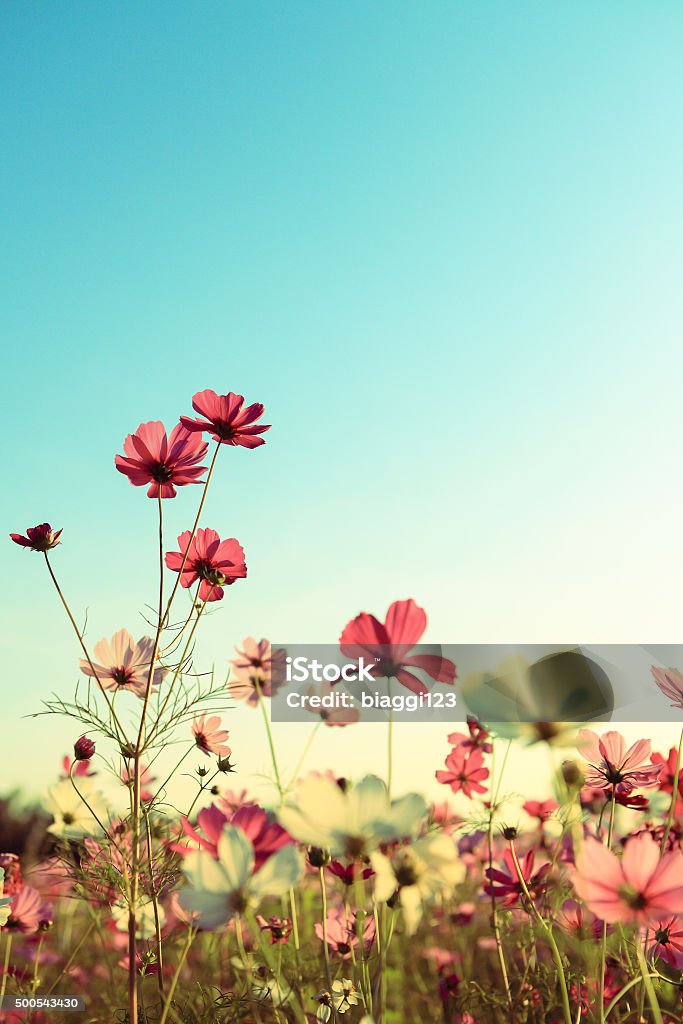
point(336, 899)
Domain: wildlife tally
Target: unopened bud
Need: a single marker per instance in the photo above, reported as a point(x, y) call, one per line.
point(84, 749)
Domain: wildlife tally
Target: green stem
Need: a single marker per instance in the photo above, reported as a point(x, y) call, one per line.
point(674, 795)
point(191, 933)
point(649, 987)
point(269, 734)
point(5, 968)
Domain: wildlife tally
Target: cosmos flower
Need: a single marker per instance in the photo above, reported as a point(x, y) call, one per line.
point(352, 822)
point(478, 737)
point(638, 888)
point(280, 928)
point(27, 911)
point(216, 563)
point(38, 538)
point(342, 929)
point(71, 818)
point(387, 645)
point(218, 888)
point(667, 936)
point(670, 682)
point(264, 834)
point(541, 809)
point(612, 766)
point(162, 462)
point(209, 736)
point(257, 671)
point(122, 664)
point(348, 873)
point(226, 417)
point(418, 872)
point(506, 884)
point(464, 774)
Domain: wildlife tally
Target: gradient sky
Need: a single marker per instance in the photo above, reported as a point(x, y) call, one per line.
point(442, 244)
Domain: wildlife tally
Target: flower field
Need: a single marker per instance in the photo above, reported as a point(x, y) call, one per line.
point(340, 899)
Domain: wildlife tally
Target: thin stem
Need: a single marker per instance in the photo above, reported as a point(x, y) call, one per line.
point(191, 933)
point(269, 734)
point(326, 948)
point(84, 801)
point(155, 905)
point(307, 747)
point(603, 943)
point(192, 533)
point(549, 935)
point(649, 987)
point(390, 741)
point(5, 967)
point(121, 731)
point(674, 795)
point(494, 906)
point(86, 935)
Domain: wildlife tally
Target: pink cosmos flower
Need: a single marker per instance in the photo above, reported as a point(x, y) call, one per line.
point(464, 774)
point(227, 419)
point(348, 873)
point(256, 671)
point(668, 772)
point(38, 538)
point(80, 768)
point(670, 682)
point(209, 736)
point(390, 642)
point(578, 921)
point(637, 889)
point(611, 765)
point(668, 941)
point(216, 563)
point(541, 809)
point(280, 928)
point(121, 664)
point(28, 911)
point(162, 462)
point(342, 932)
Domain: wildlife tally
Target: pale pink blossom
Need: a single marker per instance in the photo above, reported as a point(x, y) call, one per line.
point(122, 664)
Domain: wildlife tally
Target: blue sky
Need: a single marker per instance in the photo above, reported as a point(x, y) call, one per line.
point(441, 244)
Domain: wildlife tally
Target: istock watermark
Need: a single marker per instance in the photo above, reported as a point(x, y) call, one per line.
point(509, 685)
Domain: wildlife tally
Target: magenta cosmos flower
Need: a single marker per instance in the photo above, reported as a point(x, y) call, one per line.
point(209, 736)
point(215, 562)
point(28, 911)
point(265, 835)
point(227, 418)
point(38, 538)
point(388, 645)
point(612, 766)
point(160, 461)
point(637, 889)
point(122, 664)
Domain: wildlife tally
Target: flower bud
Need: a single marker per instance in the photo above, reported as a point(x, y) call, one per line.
point(572, 774)
point(84, 749)
point(317, 857)
point(224, 765)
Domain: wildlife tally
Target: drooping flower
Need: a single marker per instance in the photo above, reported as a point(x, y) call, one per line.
point(342, 928)
point(464, 774)
point(352, 822)
point(216, 563)
point(418, 872)
point(478, 737)
point(209, 736)
point(638, 888)
point(227, 418)
point(227, 885)
point(257, 671)
point(670, 682)
point(612, 766)
point(160, 461)
point(38, 538)
point(122, 664)
point(72, 819)
point(388, 644)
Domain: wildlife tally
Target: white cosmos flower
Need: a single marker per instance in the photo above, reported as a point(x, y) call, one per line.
point(220, 888)
point(5, 901)
point(72, 819)
point(343, 996)
point(354, 822)
point(145, 922)
point(418, 871)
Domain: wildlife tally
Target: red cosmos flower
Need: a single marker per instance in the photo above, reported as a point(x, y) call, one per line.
point(477, 739)
point(227, 419)
point(507, 883)
point(388, 645)
point(464, 774)
point(668, 771)
point(209, 736)
point(216, 563)
point(348, 873)
point(38, 538)
point(162, 462)
point(541, 809)
point(84, 749)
